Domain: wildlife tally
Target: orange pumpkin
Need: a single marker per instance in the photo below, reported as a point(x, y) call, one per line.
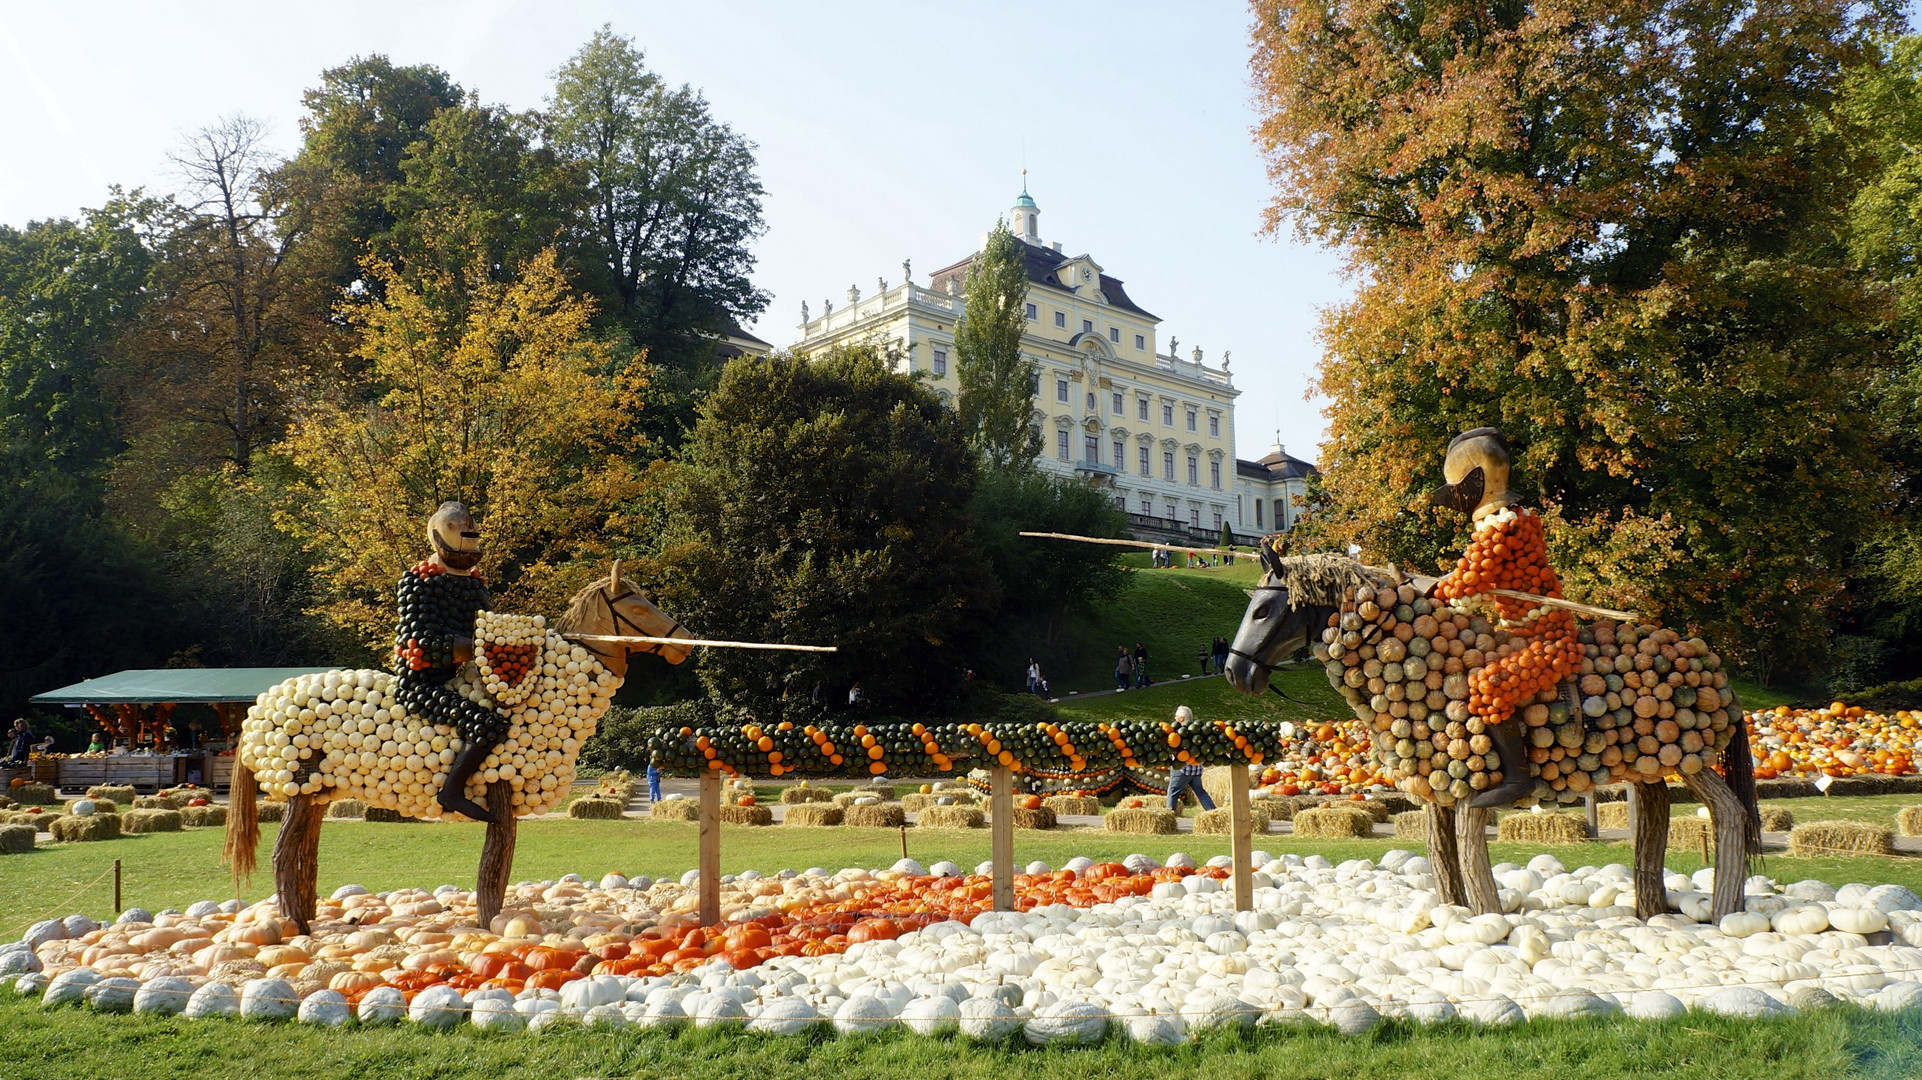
point(1031, 802)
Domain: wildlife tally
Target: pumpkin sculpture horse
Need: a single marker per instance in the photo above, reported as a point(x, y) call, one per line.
point(1318, 600)
point(341, 735)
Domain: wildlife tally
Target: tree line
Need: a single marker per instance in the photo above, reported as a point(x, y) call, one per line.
point(1670, 248)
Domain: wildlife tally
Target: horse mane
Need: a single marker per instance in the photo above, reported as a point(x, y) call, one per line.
point(1324, 580)
point(581, 609)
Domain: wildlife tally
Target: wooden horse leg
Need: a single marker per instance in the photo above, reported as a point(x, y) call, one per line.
point(1443, 857)
point(1731, 838)
point(1650, 806)
point(297, 860)
point(497, 852)
point(1478, 878)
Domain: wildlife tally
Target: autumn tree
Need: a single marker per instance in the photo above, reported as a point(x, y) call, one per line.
point(1610, 230)
point(504, 402)
point(824, 500)
point(997, 381)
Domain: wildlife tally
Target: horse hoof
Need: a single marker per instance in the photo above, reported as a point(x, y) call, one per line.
point(469, 808)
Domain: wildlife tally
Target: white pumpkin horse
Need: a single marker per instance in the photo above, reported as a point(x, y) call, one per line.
point(340, 735)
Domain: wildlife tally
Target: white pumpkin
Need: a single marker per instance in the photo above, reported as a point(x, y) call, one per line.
point(864, 1014)
point(1074, 1023)
point(438, 1007)
point(215, 999)
point(785, 1016)
point(988, 1019)
point(1803, 919)
point(935, 1015)
point(69, 987)
point(582, 995)
point(1740, 924)
point(493, 1014)
point(268, 999)
point(327, 1008)
point(166, 995)
point(113, 994)
point(1855, 920)
point(381, 1005)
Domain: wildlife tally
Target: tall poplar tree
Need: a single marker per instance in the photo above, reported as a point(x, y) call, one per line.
point(1609, 228)
point(997, 381)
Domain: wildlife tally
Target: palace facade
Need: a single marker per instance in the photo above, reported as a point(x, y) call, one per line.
point(1114, 408)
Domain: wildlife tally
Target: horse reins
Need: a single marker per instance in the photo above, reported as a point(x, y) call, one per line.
point(622, 622)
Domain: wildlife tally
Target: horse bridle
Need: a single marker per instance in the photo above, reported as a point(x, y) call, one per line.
point(623, 623)
point(1232, 651)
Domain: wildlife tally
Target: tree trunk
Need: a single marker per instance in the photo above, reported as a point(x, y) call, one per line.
point(1731, 838)
point(1444, 857)
point(497, 853)
point(1478, 878)
point(1648, 804)
point(297, 860)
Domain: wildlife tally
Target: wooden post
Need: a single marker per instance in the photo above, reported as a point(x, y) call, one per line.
point(1731, 838)
point(296, 860)
point(710, 884)
point(116, 887)
point(1592, 816)
point(1241, 844)
point(1648, 817)
point(497, 853)
point(1001, 834)
point(1444, 857)
point(1478, 878)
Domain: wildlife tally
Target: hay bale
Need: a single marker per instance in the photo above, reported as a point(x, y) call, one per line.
point(1611, 815)
point(19, 817)
point(5, 803)
point(1818, 838)
point(1411, 825)
point(382, 813)
point(1394, 802)
point(121, 794)
point(1217, 823)
point(1544, 828)
point(795, 796)
point(1144, 821)
point(346, 809)
point(1689, 832)
point(1277, 807)
point(151, 821)
point(914, 802)
point(74, 830)
point(884, 816)
point(1777, 819)
point(1908, 821)
point(15, 839)
point(746, 815)
point(1334, 821)
point(814, 813)
point(1066, 805)
point(269, 811)
point(951, 817)
point(673, 810)
point(599, 809)
point(35, 795)
point(1039, 818)
point(100, 806)
point(884, 792)
point(205, 817)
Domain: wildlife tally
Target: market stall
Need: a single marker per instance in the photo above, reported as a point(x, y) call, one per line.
point(135, 707)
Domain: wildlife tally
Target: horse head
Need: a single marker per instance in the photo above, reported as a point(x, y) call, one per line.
point(1275, 626)
point(615, 607)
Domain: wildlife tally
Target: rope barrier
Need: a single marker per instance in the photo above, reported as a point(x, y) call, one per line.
point(14, 935)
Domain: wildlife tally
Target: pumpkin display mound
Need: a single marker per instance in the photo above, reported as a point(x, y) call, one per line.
point(915, 948)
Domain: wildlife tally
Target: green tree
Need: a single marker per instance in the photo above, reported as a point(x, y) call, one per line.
point(1044, 583)
point(997, 381)
point(673, 202)
point(824, 500)
point(1612, 232)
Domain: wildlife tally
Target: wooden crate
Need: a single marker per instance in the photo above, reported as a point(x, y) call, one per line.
point(46, 770)
point(81, 773)
point(141, 772)
point(222, 774)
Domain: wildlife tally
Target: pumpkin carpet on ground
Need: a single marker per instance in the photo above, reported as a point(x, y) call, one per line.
point(1140, 950)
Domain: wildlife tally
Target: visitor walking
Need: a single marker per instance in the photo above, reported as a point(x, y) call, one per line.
point(1221, 654)
point(1205, 654)
point(1185, 776)
point(653, 782)
point(1034, 676)
point(1141, 664)
point(20, 741)
point(1124, 667)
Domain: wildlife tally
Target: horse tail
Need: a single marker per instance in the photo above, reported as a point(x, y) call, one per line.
point(243, 821)
point(1739, 761)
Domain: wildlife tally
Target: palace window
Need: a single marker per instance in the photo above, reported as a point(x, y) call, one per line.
point(1217, 521)
point(940, 362)
point(1194, 517)
point(1142, 409)
point(1087, 326)
point(1061, 319)
point(1168, 465)
point(1144, 461)
point(1147, 505)
point(1091, 445)
point(1121, 503)
point(1258, 514)
point(1114, 334)
point(1061, 389)
point(1091, 401)
point(1191, 419)
point(1061, 445)
point(1141, 341)
point(1167, 416)
point(1034, 313)
point(1214, 425)
point(1117, 405)
point(1120, 454)
point(1214, 475)
point(1194, 470)
point(1171, 510)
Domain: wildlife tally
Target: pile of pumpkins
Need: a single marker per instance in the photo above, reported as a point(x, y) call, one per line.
point(344, 734)
point(1152, 950)
point(1837, 740)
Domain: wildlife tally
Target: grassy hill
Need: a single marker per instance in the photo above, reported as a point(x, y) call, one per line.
point(1172, 612)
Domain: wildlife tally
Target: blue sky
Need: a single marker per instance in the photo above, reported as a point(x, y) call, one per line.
point(886, 131)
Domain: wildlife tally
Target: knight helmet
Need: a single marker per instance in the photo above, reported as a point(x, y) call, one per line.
point(1476, 471)
point(455, 535)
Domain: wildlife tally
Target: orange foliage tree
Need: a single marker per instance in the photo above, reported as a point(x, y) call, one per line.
point(1607, 228)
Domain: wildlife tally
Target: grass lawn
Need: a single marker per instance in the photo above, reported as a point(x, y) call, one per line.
point(1172, 612)
point(1309, 698)
point(70, 1043)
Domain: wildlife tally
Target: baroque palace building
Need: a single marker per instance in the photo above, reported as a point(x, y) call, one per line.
point(1156, 430)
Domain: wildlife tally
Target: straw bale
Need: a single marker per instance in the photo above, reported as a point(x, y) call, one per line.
point(951, 817)
point(35, 795)
point(1908, 821)
point(115, 793)
point(100, 806)
point(1777, 819)
point(1217, 822)
point(814, 813)
point(676, 810)
point(151, 821)
point(1065, 805)
point(1687, 832)
point(269, 811)
point(1039, 818)
point(382, 813)
point(1544, 828)
point(73, 830)
point(883, 816)
point(593, 806)
point(347, 808)
point(1334, 821)
point(15, 839)
point(1144, 821)
point(793, 796)
point(206, 817)
point(1841, 838)
point(1611, 815)
point(1411, 825)
point(746, 815)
